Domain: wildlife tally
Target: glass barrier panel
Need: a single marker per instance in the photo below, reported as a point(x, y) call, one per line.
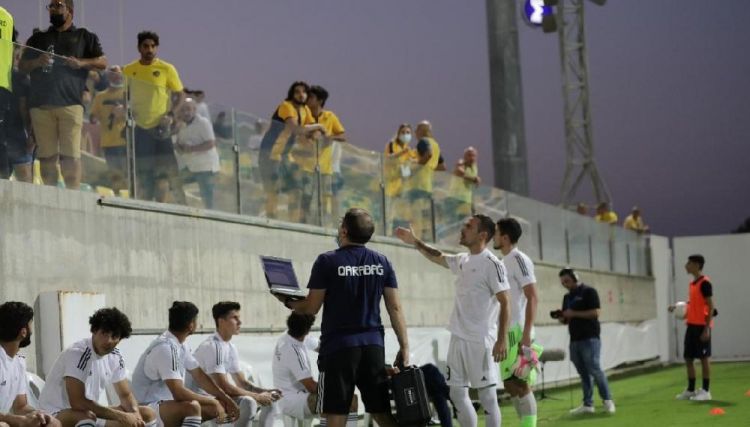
point(397, 171)
point(491, 201)
point(248, 130)
point(528, 216)
point(578, 229)
point(639, 256)
point(357, 183)
point(600, 248)
point(621, 242)
point(453, 201)
point(551, 225)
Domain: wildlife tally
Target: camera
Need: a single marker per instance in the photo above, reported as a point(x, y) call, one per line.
point(555, 314)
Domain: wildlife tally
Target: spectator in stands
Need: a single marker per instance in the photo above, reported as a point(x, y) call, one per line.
point(580, 311)
point(57, 86)
point(15, 334)
point(398, 159)
point(159, 377)
point(420, 195)
point(605, 215)
point(223, 126)
point(16, 138)
point(196, 150)
point(78, 376)
point(291, 118)
point(465, 179)
point(348, 284)
point(441, 164)
point(292, 372)
point(218, 357)
point(333, 131)
point(153, 83)
point(634, 221)
point(582, 209)
point(201, 108)
point(108, 110)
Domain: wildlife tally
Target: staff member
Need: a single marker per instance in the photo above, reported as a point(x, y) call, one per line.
point(700, 311)
point(350, 282)
point(580, 311)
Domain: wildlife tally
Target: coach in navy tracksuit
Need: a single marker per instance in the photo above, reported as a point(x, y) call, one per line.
point(350, 282)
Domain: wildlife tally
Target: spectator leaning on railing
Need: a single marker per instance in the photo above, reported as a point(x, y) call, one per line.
point(634, 221)
point(463, 182)
point(604, 214)
point(57, 86)
point(108, 110)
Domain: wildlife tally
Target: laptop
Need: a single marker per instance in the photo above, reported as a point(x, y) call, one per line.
point(281, 278)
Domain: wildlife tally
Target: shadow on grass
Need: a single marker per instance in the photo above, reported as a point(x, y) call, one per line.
point(720, 403)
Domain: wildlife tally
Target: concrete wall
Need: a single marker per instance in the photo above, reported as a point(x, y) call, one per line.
point(142, 260)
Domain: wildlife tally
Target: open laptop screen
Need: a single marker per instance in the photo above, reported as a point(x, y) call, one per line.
point(279, 272)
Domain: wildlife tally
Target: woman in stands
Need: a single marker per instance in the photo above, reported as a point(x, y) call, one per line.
point(398, 158)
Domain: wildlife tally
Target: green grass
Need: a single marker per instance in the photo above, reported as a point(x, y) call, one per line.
point(648, 400)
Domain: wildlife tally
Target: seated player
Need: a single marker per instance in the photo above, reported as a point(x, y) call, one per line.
point(71, 393)
point(159, 377)
point(218, 356)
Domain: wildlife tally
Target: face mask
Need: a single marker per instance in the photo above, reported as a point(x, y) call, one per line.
point(57, 20)
point(405, 138)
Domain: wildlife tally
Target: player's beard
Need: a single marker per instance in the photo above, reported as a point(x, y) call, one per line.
point(26, 341)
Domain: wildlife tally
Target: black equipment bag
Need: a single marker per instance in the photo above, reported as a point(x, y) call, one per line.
point(410, 394)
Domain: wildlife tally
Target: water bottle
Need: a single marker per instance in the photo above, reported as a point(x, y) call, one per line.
point(51, 51)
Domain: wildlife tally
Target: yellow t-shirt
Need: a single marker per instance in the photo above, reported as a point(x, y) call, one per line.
point(110, 123)
point(462, 189)
point(6, 49)
point(422, 174)
point(333, 127)
point(287, 110)
point(394, 175)
point(609, 217)
point(151, 87)
point(634, 224)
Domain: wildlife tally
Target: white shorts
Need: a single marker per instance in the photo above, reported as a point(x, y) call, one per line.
point(295, 405)
point(155, 407)
point(470, 364)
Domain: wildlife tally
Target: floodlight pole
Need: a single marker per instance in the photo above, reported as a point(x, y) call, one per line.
point(579, 143)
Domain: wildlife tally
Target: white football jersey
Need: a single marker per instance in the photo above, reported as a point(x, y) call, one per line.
point(215, 356)
point(290, 364)
point(520, 274)
point(476, 309)
point(12, 379)
point(81, 362)
point(164, 359)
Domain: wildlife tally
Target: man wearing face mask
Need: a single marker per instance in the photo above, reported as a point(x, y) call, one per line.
point(58, 61)
point(108, 110)
point(15, 411)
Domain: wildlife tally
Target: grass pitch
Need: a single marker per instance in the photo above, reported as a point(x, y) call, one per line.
point(647, 399)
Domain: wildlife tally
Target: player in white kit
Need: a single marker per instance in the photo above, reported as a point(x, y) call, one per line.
point(479, 321)
point(15, 333)
point(218, 357)
point(78, 376)
point(159, 377)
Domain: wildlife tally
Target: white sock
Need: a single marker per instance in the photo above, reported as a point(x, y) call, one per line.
point(323, 422)
point(191, 421)
point(248, 409)
point(514, 400)
point(351, 419)
point(154, 422)
point(86, 423)
point(488, 397)
point(527, 405)
point(267, 415)
point(467, 417)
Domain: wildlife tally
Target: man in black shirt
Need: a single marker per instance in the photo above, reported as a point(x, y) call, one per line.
point(580, 311)
point(58, 61)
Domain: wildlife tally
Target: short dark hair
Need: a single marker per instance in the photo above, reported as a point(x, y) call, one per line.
point(487, 225)
point(698, 259)
point(290, 92)
point(181, 314)
point(511, 228)
point(567, 271)
point(69, 4)
point(148, 35)
point(221, 309)
point(358, 225)
point(320, 93)
point(111, 320)
point(298, 325)
point(14, 316)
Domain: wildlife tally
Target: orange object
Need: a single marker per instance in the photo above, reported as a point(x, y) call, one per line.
point(717, 411)
point(747, 393)
point(697, 308)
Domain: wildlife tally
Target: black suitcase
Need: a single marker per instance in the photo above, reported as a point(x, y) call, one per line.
point(410, 394)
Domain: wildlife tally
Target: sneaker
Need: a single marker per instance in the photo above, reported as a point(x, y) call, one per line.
point(609, 406)
point(685, 395)
point(583, 409)
point(701, 395)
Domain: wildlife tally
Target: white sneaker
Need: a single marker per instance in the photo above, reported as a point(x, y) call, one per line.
point(685, 395)
point(701, 395)
point(609, 406)
point(583, 409)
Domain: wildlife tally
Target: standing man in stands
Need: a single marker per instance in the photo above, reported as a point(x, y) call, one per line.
point(523, 300)
point(79, 374)
point(479, 321)
point(580, 311)
point(159, 377)
point(155, 93)
point(350, 282)
point(7, 37)
point(699, 321)
point(218, 357)
point(15, 334)
point(420, 195)
point(57, 86)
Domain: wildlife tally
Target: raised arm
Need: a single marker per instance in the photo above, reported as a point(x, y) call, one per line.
point(407, 236)
point(396, 314)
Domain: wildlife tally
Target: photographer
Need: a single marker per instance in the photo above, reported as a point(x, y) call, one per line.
point(580, 311)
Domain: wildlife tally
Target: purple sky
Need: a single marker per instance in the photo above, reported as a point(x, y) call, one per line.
point(668, 81)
